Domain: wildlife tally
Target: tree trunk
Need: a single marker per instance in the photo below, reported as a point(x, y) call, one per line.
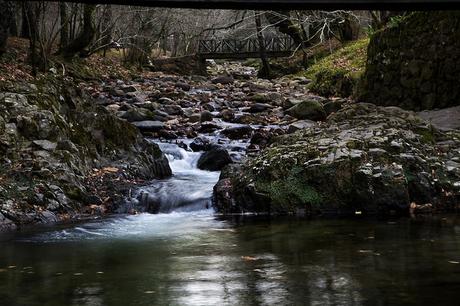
point(13, 23)
point(84, 39)
point(107, 28)
point(25, 33)
point(5, 16)
point(64, 34)
point(281, 20)
point(266, 70)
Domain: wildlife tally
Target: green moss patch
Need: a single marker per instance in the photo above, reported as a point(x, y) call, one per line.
point(339, 73)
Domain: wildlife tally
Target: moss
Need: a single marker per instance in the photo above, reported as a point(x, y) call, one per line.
point(290, 192)
point(427, 135)
point(339, 73)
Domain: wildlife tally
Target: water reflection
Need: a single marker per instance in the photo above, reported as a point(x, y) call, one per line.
point(193, 259)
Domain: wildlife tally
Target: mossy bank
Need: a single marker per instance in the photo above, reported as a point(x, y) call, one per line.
point(57, 148)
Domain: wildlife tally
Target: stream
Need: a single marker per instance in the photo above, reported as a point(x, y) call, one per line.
point(186, 255)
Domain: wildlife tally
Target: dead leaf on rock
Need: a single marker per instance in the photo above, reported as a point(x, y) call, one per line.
point(110, 169)
point(248, 258)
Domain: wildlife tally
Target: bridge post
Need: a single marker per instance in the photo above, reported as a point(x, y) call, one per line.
point(201, 65)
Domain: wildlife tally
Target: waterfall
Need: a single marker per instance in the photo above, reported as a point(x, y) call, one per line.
point(188, 189)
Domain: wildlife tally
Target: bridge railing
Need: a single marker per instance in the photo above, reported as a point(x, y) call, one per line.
point(233, 46)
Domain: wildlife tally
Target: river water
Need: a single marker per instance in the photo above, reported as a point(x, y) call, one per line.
point(186, 255)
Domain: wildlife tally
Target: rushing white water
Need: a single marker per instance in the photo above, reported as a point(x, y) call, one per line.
point(189, 188)
point(175, 225)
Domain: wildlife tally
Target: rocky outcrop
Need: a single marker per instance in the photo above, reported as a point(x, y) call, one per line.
point(414, 63)
point(57, 146)
point(364, 158)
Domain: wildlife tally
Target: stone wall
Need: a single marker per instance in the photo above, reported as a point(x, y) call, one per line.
point(415, 62)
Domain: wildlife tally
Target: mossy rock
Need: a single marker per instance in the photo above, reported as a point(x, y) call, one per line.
point(308, 109)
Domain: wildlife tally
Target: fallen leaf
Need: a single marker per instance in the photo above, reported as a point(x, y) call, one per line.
point(110, 169)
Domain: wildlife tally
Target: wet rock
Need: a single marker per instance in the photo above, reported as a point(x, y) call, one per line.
point(174, 110)
point(45, 145)
point(308, 109)
point(196, 117)
point(259, 107)
point(238, 132)
point(6, 224)
point(223, 79)
point(137, 114)
point(227, 115)
point(208, 127)
point(215, 159)
point(183, 86)
point(206, 116)
point(200, 144)
point(128, 88)
point(148, 125)
point(300, 125)
point(333, 106)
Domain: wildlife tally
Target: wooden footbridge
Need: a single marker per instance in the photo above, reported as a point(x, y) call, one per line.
point(246, 48)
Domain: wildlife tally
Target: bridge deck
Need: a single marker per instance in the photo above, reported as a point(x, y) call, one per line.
point(247, 48)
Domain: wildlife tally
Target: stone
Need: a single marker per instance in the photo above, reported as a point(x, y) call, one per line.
point(183, 86)
point(196, 117)
point(227, 115)
point(206, 116)
point(148, 125)
point(223, 79)
point(300, 125)
point(45, 145)
point(172, 109)
point(200, 144)
point(137, 114)
point(214, 159)
point(238, 132)
point(259, 107)
point(308, 109)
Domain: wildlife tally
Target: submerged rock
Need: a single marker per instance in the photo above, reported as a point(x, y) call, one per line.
point(349, 164)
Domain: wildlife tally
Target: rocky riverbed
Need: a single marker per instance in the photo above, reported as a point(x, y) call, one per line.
point(72, 150)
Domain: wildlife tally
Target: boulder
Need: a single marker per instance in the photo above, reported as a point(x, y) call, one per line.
point(173, 109)
point(200, 144)
point(308, 109)
point(364, 159)
point(259, 107)
point(45, 145)
point(300, 125)
point(137, 114)
point(215, 159)
point(183, 86)
point(238, 132)
point(223, 79)
point(206, 116)
point(227, 115)
point(148, 125)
